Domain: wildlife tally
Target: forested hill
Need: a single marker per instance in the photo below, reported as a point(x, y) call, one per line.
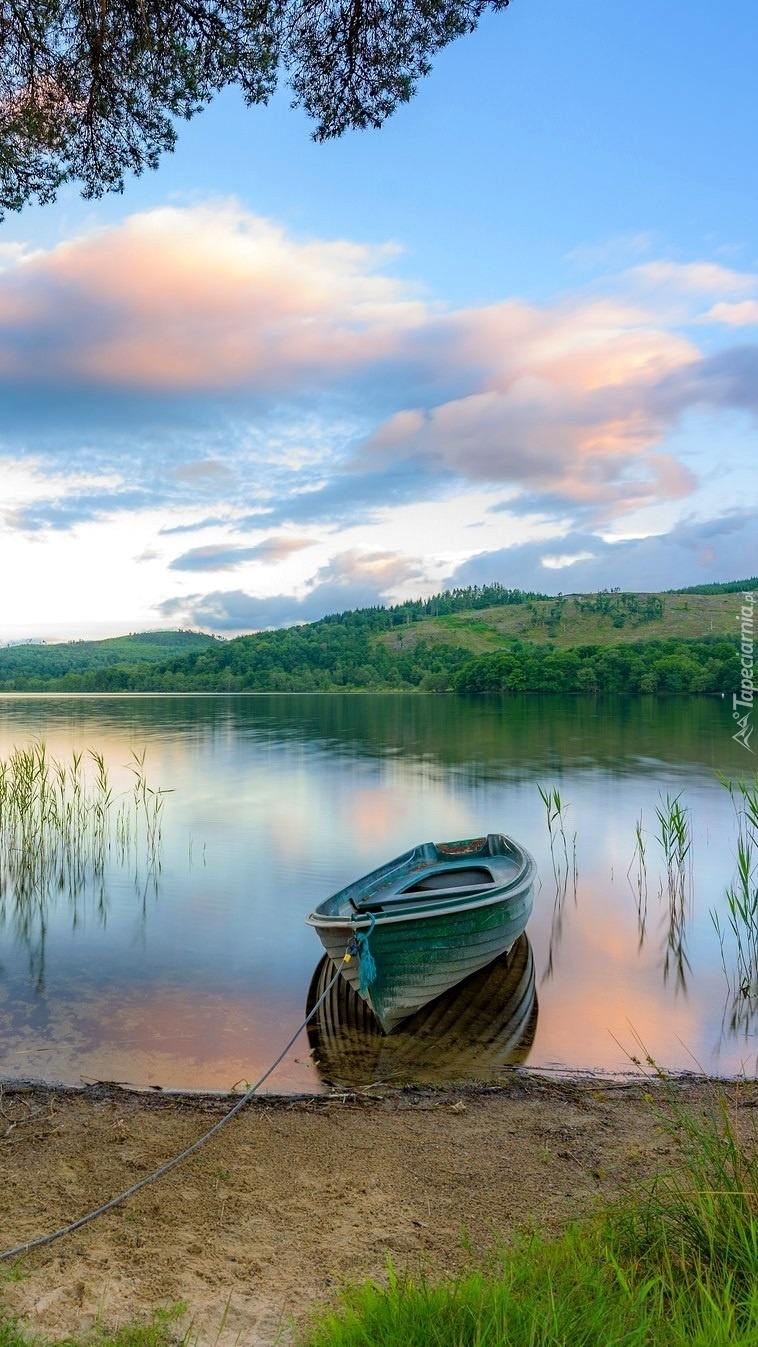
point(484, 639)
point(40, 661)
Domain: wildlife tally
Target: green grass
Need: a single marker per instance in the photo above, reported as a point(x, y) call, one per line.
point(675, 1265)
point(160, 1330)
point(578, 620)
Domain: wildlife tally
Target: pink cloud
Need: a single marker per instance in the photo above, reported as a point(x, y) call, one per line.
point(566, 402)
point(208, 297)
point(742, 314)
point(386, 570)
point(563, 398)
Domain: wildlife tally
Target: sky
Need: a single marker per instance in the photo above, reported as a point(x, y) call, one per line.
point(510, 336)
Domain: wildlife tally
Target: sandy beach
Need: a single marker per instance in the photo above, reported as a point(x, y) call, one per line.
point(267, 1219)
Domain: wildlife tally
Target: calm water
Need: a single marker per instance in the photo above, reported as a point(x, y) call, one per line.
point(196, 975)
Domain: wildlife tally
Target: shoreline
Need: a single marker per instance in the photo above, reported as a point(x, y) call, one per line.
point(270, 1217)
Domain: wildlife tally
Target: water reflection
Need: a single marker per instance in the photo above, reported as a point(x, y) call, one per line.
point(676, 963)
point(473, 1031)
point(497, 734)
point(280, 800)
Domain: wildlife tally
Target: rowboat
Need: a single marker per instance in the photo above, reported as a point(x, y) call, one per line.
point(418, 925)
point(483, 1026)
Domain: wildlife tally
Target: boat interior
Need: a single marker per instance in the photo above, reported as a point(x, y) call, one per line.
point(476, 875)
point(451, 882)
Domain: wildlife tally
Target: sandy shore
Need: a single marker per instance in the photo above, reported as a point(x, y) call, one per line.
point(267, 1218)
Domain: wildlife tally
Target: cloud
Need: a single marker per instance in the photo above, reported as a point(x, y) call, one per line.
point(693, 278)
point(230, 370)
point(742, 314)
point(384, 570)
point(198, 299)
point(208, 474)
point(66, 514)
point(220, 557)
point(726, 381)
point(194, 526)
point(352, 579)
point(718, 549)
point(566, 402)
point(612, 251)
point(351, 494)
point(558, 561)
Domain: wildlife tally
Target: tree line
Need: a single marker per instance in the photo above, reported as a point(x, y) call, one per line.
point(655, 666)
point(340, 656)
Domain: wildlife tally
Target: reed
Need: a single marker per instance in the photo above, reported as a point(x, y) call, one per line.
point(140, 818)
point(675, 838)
point(555, 812)
point(742, 901)
point(58, 824)
point(638, 863)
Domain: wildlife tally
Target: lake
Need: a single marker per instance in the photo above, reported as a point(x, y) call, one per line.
point(193, 972)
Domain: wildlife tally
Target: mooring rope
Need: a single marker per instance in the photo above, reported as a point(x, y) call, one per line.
point(171, 1164)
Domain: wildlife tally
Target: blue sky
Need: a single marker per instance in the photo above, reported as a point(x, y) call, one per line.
point(510, 336)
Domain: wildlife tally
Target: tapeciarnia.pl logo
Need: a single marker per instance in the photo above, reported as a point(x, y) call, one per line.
point(743, 701)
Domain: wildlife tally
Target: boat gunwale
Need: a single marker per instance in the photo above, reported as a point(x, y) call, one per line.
point(356, 921)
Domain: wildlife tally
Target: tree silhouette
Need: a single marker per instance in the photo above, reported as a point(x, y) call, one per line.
point(91, 90)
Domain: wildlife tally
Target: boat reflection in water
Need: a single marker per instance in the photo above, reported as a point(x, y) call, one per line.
point(486, 1022)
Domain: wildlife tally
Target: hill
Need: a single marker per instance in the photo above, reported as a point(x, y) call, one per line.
point(481, 639)
point(40, 663)
point(610, 617)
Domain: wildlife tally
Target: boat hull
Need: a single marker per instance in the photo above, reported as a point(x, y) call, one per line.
point(422, 939)
point(484, 1025)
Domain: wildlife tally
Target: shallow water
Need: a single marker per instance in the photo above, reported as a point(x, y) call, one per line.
point(194, 974)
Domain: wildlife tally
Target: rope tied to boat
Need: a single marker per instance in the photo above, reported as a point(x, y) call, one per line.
point(171, 1164)
point(366, 961)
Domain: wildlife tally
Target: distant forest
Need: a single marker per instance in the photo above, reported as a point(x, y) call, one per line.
point(423, 644)
point(706, 666)
point(729, 587)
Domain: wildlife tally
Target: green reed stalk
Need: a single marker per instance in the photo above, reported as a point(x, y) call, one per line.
point(742, 894)
point(640, 878)
point(56, 828)
point(147, 808)
point(555, 810)
point(555, 814)
point(675, 838)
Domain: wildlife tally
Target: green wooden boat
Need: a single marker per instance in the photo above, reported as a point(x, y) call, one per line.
point(476, 1030)
point(426, 920)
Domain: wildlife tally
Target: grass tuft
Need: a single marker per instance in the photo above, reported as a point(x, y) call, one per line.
point(675, 1265)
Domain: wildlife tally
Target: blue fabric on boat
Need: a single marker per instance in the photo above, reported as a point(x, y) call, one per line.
point(366, 961)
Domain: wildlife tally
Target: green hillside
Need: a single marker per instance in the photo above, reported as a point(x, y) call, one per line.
point(43, 662)
point(608, 618)
point(481, 639)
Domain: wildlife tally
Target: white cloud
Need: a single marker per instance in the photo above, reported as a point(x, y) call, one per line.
point(205, 370)
point(742, 314)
